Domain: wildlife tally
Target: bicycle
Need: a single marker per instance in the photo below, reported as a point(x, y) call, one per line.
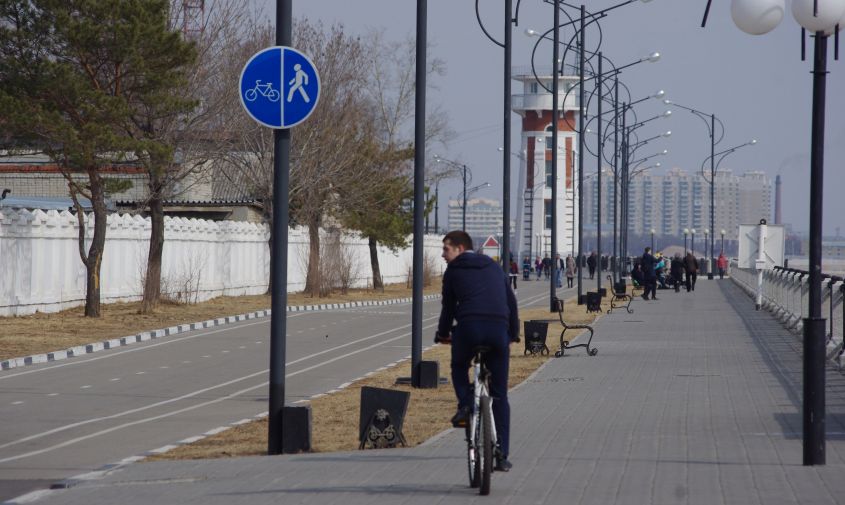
point(482, 443)
point(265, 90)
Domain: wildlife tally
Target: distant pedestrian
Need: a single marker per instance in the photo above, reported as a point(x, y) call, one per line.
point(558, 273)
point(637, 276)
point(591, 264)
point(649, 275)
point(676, 269)
point(538, 267)
point(660, 270)
point(570, 270)
point(547, 266)
point(691, 270)
point(526, 268)
point(514, 272)
point(722, 265)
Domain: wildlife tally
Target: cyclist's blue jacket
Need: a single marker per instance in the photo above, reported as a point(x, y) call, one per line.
point(476, 288)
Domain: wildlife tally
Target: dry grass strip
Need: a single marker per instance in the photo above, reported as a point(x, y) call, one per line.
point(335, 416)
point(40, 333)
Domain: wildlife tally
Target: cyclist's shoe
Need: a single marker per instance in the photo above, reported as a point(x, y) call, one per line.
point(461, 417)
point(502, 465)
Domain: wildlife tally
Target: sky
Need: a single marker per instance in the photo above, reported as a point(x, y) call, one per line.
point(756, 85)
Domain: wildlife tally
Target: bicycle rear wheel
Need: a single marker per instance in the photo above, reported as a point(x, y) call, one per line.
point(485, 444)
point(473, 464)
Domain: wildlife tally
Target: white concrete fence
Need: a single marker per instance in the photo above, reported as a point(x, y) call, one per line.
point(786, 296)
point(40, 268)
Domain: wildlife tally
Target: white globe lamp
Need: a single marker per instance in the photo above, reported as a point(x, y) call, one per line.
point(829, 14)
point(757, 17)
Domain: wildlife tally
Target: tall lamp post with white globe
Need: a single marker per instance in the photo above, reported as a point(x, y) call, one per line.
point(822, 18)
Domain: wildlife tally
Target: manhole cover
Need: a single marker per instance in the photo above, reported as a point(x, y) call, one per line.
point(561, 379)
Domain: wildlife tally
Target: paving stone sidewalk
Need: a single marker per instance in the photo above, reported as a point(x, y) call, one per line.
point(692, 399)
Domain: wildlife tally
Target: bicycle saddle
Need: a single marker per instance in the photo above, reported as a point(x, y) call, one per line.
point(481, 349)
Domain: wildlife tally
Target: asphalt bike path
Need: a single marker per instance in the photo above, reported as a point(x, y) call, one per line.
point(692, 399)
point(64, 418)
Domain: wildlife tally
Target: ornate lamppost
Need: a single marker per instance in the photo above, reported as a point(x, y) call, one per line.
point(821, 18)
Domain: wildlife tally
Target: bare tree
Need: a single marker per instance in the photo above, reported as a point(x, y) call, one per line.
point(190, 134)
point(382, 213)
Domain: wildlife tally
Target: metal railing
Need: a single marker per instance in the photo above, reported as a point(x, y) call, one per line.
point(785, 294)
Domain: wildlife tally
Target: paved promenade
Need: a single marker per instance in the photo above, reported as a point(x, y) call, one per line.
point(692, 399)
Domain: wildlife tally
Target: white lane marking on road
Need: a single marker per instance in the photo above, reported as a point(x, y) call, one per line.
point(134, 349)
point(163, 449)
point(186, 362)
point(241, 347)
point(191, 440)
point(165, 367)
point(31, 497)
point(87, 386)
point(206, 356)
point(140, 373)
point(224, 352)
point(186, 409)
point(53, 394)
point(17, 403)
point(115, 379)
point(215, 431)
point(259, 342)
point(188, 395)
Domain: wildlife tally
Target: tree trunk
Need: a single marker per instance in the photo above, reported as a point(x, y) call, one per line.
point(312, 278)
point(94, 259)
point(152, 279)
point(377, 282)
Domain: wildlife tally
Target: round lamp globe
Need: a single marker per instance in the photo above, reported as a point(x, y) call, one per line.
point(757, 17)
point(829, 14)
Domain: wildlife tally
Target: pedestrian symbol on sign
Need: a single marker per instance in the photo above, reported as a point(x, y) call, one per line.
point(296, 84)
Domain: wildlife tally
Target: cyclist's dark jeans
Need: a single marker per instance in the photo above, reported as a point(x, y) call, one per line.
point(493, 334)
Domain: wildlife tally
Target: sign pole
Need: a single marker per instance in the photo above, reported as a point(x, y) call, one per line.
point(279, 257)
point(419, 197)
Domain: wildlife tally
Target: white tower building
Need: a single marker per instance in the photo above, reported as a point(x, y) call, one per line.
point(534, 211)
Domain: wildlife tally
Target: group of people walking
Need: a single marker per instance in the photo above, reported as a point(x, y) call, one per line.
point(679, 270)
point(565, 268)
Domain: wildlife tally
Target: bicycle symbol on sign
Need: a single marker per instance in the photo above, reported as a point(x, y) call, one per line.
point(265, 90)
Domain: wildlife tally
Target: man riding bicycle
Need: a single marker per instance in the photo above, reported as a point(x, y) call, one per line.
point(477, 295)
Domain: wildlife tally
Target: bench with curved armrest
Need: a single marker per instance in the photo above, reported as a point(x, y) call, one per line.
point(621, 296)
point(564, 344)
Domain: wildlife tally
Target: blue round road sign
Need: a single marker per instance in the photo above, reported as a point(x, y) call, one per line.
point(279, 87)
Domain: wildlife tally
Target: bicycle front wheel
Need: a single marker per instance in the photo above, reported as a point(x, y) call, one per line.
point(486, 445)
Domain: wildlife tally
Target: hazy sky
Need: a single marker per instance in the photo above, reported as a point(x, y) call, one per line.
point(758, 86)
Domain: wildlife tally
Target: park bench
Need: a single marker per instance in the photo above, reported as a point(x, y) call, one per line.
point(619, 295)
point(564, 344)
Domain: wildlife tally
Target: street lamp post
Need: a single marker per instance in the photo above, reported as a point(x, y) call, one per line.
point(723, 242)
point(706, 259)
point(714, 167)
point(822, 19)
point(436, 205)
point(510, 18)
point(582, 21)
point(464, 206)
point(692, 241)
point(710, 121)
point(652, 240)
point(686, 233)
